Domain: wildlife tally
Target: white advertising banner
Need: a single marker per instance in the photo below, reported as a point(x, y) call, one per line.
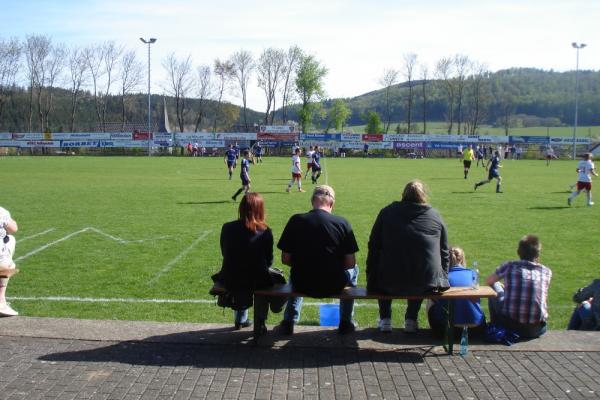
point(193, 136)
point(235, 136)
point(351, 137)
point(277, 129)
point(120, 135)
point(569, 140)
point(213, 143)
point(81, 135)
point(28, 136)
point(6, 136)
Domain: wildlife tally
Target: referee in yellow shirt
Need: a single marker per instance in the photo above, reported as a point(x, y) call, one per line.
point(468, 156)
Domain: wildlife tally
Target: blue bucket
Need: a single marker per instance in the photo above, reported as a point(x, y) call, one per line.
point(329, 314)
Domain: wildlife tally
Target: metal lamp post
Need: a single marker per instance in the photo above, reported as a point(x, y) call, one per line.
point(577, 47)
point(149, 42)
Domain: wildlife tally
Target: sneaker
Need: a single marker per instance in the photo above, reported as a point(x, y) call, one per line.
point(240, 325)
point(7, 311)
point(410, 326)
point(233, 198)
point(260, 329)
point(569, 200)
point(385, 325)
point(475, 187)
point(591, 203)
point(301, 190)
point(287, 190)
point(347, 327)
point(286, 327)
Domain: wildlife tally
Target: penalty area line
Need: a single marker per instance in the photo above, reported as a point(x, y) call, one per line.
point(36, 235)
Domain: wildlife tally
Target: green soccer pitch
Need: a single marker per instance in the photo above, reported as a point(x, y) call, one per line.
point(138, 238)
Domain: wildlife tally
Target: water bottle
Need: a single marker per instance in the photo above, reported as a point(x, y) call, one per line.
point(464, 341)
point(475, 283)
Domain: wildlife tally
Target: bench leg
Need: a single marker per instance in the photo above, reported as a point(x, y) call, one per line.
point(449, 335)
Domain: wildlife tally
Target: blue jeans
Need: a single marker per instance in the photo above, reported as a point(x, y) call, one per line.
point(412, 309)
point(496, 304)
point(261, 310)
point(581, 318)
point(294, 304)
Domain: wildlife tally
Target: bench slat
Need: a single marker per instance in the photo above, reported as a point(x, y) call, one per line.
point(357, 293)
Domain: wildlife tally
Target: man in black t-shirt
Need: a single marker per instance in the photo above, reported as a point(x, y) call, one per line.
point(319, 247)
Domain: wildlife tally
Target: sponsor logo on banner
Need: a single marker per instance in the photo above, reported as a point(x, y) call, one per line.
point(82, 135)
point(277, 129)
point(41, 143)
point(319, 136)
point(120, 135)
point(289, 137)
point(409, 145)
point(6, 136)
point(351, 137)
point(372, 138)
point(194, 137)
point(27, 136)
point(528, 139)
point(81, 143)
point(212, 143)
point(235, 136)
point(443, 145)
point(141, 135)
point(567, 140)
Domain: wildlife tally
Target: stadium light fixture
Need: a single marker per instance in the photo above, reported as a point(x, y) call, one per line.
point(149, 42)
point(576, 47)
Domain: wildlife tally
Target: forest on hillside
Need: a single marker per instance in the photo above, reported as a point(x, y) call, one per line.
point(45, 86)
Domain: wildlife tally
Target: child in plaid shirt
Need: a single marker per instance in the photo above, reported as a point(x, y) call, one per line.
point(521, 304)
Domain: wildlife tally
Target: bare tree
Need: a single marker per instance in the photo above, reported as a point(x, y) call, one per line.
point(102, 61)
point(224, 71)
point(243, 64)
point(292, 60)
point(180, 82)
point(444, 71)
point(270, 73)
point(131, 71)
point(424, 82)
point(388, 79)
point(93, 56)
point(37, 49)
point(51, 71)
point(478, 97)
point(461, 66)
point(77, 70)
point(204, 87)
point(410, 61)
point(10, 61)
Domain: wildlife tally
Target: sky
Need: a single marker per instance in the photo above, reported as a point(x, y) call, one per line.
point(356, 40)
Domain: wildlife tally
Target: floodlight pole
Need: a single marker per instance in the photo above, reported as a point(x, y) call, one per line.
point(577, 47)
point(149, 42)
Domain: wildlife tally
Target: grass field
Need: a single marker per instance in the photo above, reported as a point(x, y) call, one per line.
point(130, 230)
point(442, 128)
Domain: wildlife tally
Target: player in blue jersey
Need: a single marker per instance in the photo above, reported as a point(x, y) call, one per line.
point(244, 175)
point(494, 172)
point(230, 156)
point(316, 164)
point(258, 152)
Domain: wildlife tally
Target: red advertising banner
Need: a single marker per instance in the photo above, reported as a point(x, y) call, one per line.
point(141, 135)
point(372, 138)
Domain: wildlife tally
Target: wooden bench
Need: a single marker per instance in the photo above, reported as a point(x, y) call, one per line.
point(360, 293)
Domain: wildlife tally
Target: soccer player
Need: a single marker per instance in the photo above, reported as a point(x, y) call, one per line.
point(309, 155)
point(493, 172)
point(296, 171)
point(549, 154)
point(316, 165)
point(586, 169)
point(229, 159)
point(480, 154)
point(468, 156)
point(244, 175)
point(258, 152)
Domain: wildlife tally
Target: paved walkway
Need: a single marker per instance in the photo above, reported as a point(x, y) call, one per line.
point(44, 358)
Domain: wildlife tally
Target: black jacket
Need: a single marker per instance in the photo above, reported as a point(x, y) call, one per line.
point(247, 257)
point(408, 250)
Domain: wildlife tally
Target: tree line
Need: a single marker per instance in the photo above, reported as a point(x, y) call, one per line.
point(48, 86)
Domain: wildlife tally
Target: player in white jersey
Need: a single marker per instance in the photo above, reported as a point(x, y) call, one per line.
point(549, 155)
point(309, 160)
point(296, 171)
point(7, 250)
point(585, 169)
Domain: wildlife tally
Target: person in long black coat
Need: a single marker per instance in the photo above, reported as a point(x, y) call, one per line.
point(408, 253)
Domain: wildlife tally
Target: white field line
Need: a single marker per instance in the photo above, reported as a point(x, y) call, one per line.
point(36, 235)
point(174, 261)
point(185, 301)
point(87, 229)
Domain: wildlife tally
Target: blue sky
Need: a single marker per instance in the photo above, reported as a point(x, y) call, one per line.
point(355, 40)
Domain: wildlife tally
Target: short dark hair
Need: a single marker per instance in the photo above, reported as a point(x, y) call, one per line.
point(529, 248)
